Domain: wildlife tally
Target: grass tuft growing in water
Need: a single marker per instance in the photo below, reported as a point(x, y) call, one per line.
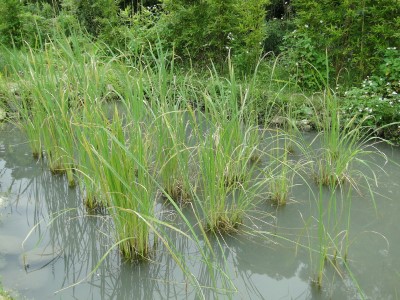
point(280, 173)
point(122, 163)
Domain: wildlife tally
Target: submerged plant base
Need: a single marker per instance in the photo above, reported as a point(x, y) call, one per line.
point(279, 199)
point(224, 224)
point(37, 154)
point(255, 158)
point(93, 205)
point(132, 254)
point(327, 178)
point(57, 170)
point(71, 182)
point(233, 180)
point(60, 170)
point(317, 283)
point(179, 194)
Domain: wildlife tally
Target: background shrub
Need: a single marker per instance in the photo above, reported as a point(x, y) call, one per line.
point(378, 97)
point(211, 30)
point(354, 33)
point(10, 25)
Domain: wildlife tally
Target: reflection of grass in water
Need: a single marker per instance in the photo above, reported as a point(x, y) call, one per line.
point(333, 240)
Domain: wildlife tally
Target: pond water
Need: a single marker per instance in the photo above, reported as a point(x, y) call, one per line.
point(50, 248)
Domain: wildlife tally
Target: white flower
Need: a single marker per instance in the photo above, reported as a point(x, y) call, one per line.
point(321, 21)
point(394, 93)
point(306, 26)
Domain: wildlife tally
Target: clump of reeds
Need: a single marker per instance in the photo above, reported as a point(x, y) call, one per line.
point(123, 165)
point(280, 169)
point(30, 114)
point(229, 138)
point(173, 154)
point(88, 125)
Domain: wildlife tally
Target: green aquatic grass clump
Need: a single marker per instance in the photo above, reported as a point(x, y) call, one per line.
point(280, 172)
point(52, 83)
point(174, 154)
point(87, 127)
point(122, 163)
point(30, 114)
point(235, 126)
point(219, 213)
point(228, 138)
point(342, 147)
point(170, 113)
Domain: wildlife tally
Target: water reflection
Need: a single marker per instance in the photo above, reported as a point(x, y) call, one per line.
point(66, 244)
point(15, 154)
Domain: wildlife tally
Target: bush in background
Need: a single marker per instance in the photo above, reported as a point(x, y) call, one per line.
point(378, 97)
point(354, 33)
point(214, 29)
point(11, 23)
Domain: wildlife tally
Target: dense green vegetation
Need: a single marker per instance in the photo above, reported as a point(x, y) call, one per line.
point(132, 100)
point(360, 39)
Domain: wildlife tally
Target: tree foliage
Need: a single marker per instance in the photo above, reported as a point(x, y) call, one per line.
point(212, 29)
point(10, 24)
point(355, 33)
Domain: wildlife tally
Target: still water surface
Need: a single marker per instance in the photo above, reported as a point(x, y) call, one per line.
point(48, 243)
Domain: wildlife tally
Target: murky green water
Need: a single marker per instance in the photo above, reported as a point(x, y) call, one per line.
point(49, 244)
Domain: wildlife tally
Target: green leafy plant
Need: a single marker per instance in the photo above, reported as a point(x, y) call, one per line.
point(303, 58)
point(355, 34)
point(11, 22)
point(209, 30)
point(378, 97)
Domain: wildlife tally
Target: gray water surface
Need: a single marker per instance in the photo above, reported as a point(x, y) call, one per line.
point(50, 247)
